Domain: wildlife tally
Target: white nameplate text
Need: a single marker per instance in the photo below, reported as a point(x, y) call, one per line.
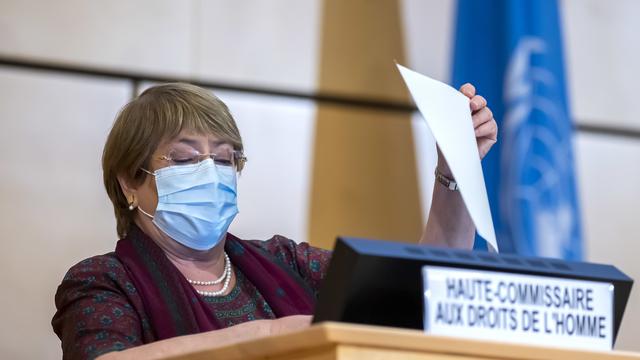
point(507, 307)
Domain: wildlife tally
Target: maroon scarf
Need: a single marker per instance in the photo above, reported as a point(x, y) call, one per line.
point(175, 308)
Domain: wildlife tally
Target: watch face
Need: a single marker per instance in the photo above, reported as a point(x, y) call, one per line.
point(448, 183)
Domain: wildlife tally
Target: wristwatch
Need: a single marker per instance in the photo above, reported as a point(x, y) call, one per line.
point(446, 181)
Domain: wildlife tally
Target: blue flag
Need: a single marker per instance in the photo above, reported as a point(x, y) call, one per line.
point(512, 52)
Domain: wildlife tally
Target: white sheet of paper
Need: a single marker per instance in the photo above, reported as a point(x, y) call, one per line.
point(448, 116)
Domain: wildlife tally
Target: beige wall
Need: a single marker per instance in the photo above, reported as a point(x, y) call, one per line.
point(602, 55)
point(54, 211)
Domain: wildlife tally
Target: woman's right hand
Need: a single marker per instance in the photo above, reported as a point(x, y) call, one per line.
point(289, 324)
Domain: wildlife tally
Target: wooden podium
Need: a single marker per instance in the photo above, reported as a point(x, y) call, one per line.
point(328, 341)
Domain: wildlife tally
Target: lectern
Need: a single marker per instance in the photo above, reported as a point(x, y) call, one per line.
point(340, 341)
point(375, 289)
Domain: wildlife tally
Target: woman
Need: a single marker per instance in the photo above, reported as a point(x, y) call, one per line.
point(177, 281)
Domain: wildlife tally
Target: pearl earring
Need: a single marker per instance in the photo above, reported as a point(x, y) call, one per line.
point(130, 206)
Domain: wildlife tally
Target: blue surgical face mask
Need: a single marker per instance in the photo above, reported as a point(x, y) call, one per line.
point(196, 203)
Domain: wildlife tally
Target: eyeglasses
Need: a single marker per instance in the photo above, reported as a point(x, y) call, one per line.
point(223, 157)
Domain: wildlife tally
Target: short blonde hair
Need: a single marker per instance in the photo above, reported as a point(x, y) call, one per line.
point(159, 114)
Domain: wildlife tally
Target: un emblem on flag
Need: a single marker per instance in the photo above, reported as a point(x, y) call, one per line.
point(537, 190)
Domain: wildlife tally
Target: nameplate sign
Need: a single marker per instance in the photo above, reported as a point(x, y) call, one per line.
point(526, 309)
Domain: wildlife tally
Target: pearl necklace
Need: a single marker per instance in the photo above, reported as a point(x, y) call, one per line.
point(226, 277)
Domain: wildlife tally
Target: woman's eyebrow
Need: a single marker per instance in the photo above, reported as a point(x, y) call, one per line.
point(216, 143)
point(189, 141)
point(180, 142)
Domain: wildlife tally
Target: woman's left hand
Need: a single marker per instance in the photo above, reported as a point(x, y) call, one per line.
point(485, 125)
point(449, 223)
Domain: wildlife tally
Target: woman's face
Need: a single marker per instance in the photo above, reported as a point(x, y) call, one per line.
point(185, 148)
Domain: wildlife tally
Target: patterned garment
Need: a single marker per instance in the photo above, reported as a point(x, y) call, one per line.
point(100, 310)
